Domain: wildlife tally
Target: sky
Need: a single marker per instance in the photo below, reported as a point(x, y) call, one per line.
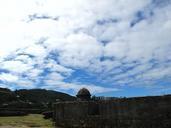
point(112, 47)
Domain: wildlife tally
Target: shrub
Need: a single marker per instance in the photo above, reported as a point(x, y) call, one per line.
point(12, 113)
point(48, 114)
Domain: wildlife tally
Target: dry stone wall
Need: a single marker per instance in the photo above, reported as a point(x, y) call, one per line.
point(144, 112)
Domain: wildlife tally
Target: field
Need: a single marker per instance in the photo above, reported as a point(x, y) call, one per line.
point(30, 121)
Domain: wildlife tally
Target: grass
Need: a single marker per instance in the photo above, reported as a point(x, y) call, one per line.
point(30, 121)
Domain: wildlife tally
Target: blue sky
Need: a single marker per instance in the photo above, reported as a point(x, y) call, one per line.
point(113, 48)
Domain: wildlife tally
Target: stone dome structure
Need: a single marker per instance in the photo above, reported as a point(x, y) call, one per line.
point(83, 94)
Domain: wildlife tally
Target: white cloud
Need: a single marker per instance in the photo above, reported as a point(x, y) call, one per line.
point(7, 77)
point(116, 49)
point(54, 67)
point(36, 50)
point(34, 73)
point(3, 86)
point(157, 73)
point(79, 51)
point(74, 29)
point(15, 66)
point(55, 81)
point(22, 83)
point(75, 86)
point(54, 76)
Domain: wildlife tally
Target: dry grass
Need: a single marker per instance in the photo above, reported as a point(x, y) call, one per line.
point(30, 121)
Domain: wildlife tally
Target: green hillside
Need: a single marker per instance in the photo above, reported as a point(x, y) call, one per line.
point(32, 99)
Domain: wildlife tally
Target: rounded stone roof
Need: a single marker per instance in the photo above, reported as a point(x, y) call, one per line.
point(83, 92)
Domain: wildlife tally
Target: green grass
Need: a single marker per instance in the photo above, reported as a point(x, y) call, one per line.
point(30, 121)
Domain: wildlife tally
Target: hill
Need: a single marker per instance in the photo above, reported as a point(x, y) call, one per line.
point(42, 95)
point(32, 99)
point(6, 95)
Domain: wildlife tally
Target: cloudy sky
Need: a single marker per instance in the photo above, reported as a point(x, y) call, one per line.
point(112, 47)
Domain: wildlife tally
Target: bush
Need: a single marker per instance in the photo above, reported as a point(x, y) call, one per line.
point(12, 113)
point(48, 114)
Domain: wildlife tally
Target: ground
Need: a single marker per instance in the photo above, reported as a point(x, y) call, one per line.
point(30, 121)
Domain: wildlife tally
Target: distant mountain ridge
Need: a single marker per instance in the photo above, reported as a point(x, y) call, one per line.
point(40, 97)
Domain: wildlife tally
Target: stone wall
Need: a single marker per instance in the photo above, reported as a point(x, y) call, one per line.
point(144, 112)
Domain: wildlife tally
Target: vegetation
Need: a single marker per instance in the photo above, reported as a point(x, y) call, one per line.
point(33, 95)
point(42, 95)
point(6, 95)
point(31, 99)
point(32, 120)
point(18, 109)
